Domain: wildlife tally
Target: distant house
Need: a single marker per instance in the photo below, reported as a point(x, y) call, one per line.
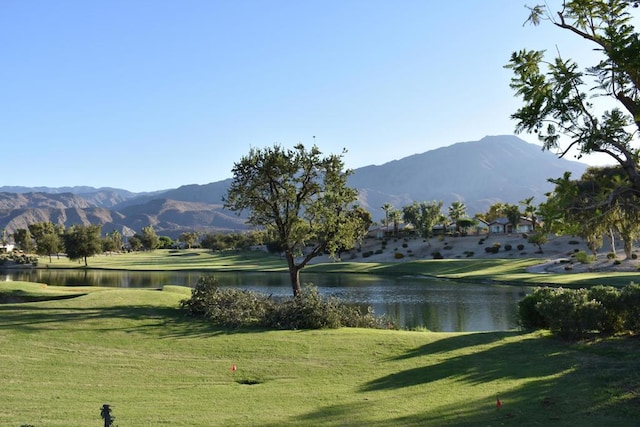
point(503, 226)
point(6, 248)
point(482, 226)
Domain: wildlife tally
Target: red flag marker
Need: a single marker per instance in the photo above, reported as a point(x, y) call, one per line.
point(498, 403)
point(233, 368)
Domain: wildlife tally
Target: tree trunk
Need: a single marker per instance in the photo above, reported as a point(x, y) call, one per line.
point(294, 274)
point(612, 239)
point(628, 247)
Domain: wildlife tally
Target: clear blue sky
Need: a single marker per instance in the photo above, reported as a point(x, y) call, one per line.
point(153, 94)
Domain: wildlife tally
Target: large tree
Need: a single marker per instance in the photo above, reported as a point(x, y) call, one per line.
point(555, 93)
point(48, 237)
point(82, 241)
point(302, 197)
point(423, 216)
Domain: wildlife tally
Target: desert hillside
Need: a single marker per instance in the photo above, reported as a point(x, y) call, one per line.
point(556, 256)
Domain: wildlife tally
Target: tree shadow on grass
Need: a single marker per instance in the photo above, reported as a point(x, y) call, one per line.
point(540, 380)
point(162, 321)
point(486, 359)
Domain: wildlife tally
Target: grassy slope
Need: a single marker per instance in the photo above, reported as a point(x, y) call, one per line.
point(61, 360)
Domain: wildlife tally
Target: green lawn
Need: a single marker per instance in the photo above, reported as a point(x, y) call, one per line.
point(61, 360)
point(134, 349)
point(500, 270)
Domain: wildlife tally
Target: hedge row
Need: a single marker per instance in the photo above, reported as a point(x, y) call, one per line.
point(578, 313)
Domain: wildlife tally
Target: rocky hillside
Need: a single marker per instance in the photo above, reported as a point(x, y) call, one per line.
point(479, 173)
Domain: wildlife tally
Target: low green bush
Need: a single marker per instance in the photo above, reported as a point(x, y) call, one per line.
point(226, 306)
point(240, 308)
point(578, 313)
point(630, 302)
point(398, 255)
point(583, 258)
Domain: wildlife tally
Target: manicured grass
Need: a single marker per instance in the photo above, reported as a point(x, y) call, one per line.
point(192, 259)
point(61, 360)
point(499, 270)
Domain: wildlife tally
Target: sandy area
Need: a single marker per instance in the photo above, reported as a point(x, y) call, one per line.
point(556, 255)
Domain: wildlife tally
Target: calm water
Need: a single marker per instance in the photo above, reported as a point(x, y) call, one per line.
point(435, 304)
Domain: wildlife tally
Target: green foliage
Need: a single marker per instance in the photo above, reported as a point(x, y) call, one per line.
point(569, 313)
point(149, 238)
point(240, 308)
point(528, 315)
point(583, 258)
point(612, 317)
point(300, 196)
point(538, 239)
point(82, 241)
point(18, 258)
point(630, 301)
point(226, 307)
point(423, 216)
point(578, 313)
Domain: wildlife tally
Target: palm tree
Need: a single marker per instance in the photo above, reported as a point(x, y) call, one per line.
point(457, 210)
point(529, 210)
point(387, 208)
point(396, 217)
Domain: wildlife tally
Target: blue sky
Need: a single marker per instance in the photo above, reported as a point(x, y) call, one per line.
point(154, 94)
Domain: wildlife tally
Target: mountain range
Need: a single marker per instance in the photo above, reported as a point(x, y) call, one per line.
point(480, 173)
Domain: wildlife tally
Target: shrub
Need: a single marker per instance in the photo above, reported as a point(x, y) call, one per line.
point(507, 247)
point(583, 258)
point(569, 313)
point(488, 249)
point(310, 310)
point(528, 315)
point(405, 245)
point(630, 302)
point(436, 255)
point(611, 319)
point(398, 255)
point(578, 313)
point(574, 242)
point(520, 247)
point(634, 256)
point(227, 307)
point(468, 254)
point(378, 252)
point(240, 308)
point(611, 255)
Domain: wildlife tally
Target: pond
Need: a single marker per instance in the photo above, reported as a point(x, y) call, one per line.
point(438, 305)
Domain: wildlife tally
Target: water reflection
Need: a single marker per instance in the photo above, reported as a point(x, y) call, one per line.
point(414, 302)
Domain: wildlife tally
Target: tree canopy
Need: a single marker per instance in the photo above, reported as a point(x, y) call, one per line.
point(557, 104)
point(302, 197)
point(82, 241)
